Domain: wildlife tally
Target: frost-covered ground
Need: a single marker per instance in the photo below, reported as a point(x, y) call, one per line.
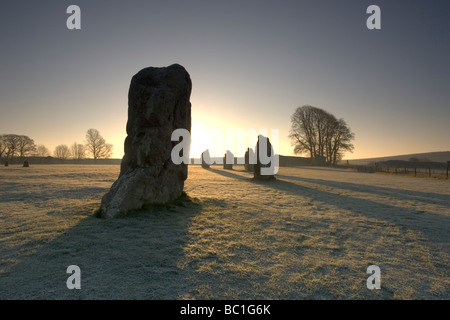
point(311, 234)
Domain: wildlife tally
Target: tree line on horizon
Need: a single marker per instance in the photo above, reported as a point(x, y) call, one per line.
point(313, 130)
point(21, 146)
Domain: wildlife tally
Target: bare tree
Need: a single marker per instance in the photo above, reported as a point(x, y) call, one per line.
point(341, 137)
point(302, 133)
point(309, 127)
point(78, 151)
point(25, 146)
point(319, 133)
point(12, 145)
point(3, 146)
point(42, 151)
point(96, 145)
point(62, 151)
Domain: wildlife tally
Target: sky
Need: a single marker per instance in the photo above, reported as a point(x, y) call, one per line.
point(252, 63)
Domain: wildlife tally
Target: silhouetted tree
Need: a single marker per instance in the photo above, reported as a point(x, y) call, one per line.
point(42, 151)
point(96, 146)
point(62, 151)
point(340, 141)
point(319, 133)
point(3, 147)
point(78, 151)
point(25, 146)
point(12, 145)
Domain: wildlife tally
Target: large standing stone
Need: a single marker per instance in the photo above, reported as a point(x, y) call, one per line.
point(264, 159)
point(158, 103)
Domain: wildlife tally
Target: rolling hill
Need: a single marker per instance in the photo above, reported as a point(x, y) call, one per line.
point(441, 156)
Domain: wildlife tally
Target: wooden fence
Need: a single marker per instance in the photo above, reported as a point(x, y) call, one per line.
point(416, 172)
point(416, 169)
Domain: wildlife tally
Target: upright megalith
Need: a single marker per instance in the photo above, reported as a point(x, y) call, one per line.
point(158, 104)
point(6, 163)
point(264, 167)
point(250, 161)
point(228, 160)
point(26, 164)
point(206, 159)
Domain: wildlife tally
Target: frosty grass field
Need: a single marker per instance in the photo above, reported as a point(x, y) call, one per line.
point(311, 234)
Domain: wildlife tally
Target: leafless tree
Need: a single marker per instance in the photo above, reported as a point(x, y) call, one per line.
point(12, 145)
point(25, 146)
point(340, 141)
point(78, 151)
point(42, 151)
point(62, 151)
point(96, 145)
point(3, 146)
point(319, 133)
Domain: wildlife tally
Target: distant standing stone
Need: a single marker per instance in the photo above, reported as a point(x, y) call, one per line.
point(158, 103)
point(228, 160)
point(263, 159)
point(249, 157)
point(206, 159)
point(6, 163)
point(26, 164)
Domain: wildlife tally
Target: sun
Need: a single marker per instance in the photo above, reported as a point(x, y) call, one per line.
point(200, 139)
point(212, 137)
point(218, 139)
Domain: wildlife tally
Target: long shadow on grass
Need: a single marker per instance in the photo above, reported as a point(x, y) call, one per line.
point(24, 195)
point(426, 197)
point(135, 257)
point(432, 225)
point(230, 174)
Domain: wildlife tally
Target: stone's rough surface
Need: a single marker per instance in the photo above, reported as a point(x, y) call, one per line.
point(228, 160)
point(267, 152)
point(206, 159)
point(158, 103)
